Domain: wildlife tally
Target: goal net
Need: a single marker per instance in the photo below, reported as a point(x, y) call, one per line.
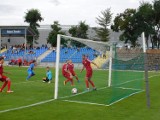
point(115, 78)
point(127, 73)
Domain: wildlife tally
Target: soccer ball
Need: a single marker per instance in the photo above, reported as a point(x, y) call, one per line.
point(74, 91)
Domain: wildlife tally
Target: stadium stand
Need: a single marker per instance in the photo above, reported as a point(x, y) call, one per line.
point(75, 54)
point(15, 52)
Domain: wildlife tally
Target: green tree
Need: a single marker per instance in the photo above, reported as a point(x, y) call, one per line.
point(145, 21)
point(33, 16)
point(104, 22)
point(125, 22)
point(52, 38)
point(133, 22)
point(79, 31)
point(73, 31)
point(156, 7)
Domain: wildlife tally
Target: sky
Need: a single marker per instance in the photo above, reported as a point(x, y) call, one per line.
point(67, 12)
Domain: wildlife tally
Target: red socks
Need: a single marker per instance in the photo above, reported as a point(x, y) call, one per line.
point(87, 84)
point(4, 85)
point(91, 82)
point(71, 80)
point(9, 85)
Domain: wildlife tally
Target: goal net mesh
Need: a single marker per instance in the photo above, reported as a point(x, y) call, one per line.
point(126, 73)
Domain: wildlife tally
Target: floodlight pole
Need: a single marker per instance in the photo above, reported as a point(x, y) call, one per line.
point(146, 71)
point(57, 66)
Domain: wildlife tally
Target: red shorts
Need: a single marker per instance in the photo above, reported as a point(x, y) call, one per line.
point(89, 73)
point(67, 75)
point(73, 73)
point(4, 78)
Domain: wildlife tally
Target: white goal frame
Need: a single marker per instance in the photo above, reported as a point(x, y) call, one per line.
point(59, 36)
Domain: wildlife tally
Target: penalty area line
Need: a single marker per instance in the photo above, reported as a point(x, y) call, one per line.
point(125, 97)
point(73, 101)
point(27, 106)
point(81, 93)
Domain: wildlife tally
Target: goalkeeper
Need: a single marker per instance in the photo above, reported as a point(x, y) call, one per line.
point(48, 77)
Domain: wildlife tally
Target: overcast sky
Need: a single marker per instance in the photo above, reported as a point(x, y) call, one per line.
point(67, 12)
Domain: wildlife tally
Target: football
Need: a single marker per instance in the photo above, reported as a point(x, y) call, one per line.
point(74, 91)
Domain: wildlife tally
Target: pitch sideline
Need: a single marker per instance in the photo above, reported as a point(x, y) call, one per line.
point(27, 106)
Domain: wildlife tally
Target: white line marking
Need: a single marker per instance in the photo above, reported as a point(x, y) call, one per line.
point(43, 102)
point(97, 89)
point(80, 93)
point(84, 102)
point(125, 97)
point(103, 104)
point(128, 88)
point(27, 106)
point(128, 71)
point(153, 76)
point(23, 82)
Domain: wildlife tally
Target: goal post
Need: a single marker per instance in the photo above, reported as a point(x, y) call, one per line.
point(57, 67)
point(90, 47)
point(120, 73)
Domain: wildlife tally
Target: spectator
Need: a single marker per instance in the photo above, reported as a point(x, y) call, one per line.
point(19, 62)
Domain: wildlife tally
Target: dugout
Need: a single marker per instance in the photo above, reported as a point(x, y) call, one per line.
point(18, 32)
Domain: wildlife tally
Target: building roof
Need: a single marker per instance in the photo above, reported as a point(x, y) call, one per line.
point(16, 31)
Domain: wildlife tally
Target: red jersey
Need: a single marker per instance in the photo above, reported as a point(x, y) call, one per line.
point(87, 64)
point(19, 60)
point(71, 67)
point(64, 68)
point(1, 69)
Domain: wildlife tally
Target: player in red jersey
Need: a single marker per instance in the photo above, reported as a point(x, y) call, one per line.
point(71, 69)
point(3, 78)
point(19, 62)
point(87, 65)
point(66, 73)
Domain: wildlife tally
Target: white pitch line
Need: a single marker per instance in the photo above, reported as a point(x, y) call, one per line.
point(153, 76)
point(27, 106)
point(23, 82)
point(81, 93)
point(125, 97)
point(128, 88)
point(73, 101)
point(43, 102)
point(103, 104)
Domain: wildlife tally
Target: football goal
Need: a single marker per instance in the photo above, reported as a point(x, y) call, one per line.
point(119, 74)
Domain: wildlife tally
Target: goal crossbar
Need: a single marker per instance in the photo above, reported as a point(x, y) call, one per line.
point(90, 43)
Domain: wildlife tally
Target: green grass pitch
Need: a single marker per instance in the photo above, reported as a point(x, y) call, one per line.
point(34, 91)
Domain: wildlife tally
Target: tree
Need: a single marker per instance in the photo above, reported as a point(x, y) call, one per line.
point(104, 21)
point(126, 23)
point(79, 31)
point(52, 38)
point(156, 7)
point(145, 21)
point(133, 22)
point(33, 16)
